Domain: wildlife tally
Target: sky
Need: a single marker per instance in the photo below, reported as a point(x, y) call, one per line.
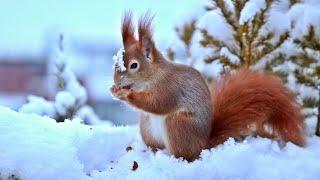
point(26, 25)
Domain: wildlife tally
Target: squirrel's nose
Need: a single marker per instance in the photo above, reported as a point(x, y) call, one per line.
point(120, 80)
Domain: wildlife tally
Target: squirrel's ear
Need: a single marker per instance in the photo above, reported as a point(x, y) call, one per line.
point(127, 30)
point(147, 47)
point(146, 43)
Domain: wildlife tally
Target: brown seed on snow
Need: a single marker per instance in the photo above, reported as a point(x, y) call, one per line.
point(135, 166)
point(129, 148)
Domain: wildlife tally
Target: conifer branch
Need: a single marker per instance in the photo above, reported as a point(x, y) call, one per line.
point(208, 40)
point(227, 14)
point(269, 48)
point(238, 6)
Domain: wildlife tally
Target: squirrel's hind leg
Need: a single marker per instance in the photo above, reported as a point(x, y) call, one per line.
point(185, 138)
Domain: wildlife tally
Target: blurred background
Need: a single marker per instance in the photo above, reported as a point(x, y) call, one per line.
point(29, 30)
point(213, 36)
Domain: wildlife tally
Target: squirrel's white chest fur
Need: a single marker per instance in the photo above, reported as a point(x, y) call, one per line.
point(157, 127)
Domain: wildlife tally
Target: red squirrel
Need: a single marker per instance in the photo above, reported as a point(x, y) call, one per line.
point(180, 113)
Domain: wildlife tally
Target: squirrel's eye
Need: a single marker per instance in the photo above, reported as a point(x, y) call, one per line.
point(134, 65)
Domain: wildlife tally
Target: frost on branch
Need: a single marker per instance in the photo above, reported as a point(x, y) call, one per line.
point(250, 37)
point(70, 99)
point(237, 33)
point(307, 70)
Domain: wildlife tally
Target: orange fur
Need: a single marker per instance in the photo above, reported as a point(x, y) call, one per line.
point(247, 101)
point(127, 30)
point(187, 137)
point(144, 27)
point(162, 104)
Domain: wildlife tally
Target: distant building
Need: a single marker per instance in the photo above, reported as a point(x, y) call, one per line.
point(20, 76)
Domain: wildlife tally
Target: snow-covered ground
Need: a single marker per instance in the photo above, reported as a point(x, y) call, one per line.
point(35, 147)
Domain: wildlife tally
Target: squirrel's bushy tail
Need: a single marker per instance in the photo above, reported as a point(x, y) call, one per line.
point(251, 102)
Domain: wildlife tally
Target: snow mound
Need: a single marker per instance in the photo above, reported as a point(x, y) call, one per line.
point(35, 147)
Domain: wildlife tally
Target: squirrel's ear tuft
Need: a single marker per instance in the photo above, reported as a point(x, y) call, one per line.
point(145, 26)
point(127, 30)
point(146, 43)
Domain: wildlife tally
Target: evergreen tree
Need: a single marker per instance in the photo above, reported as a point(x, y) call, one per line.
point(308, 68)
point(70, 99)
point(252, 40)
point(71, 96)
point(238, 34)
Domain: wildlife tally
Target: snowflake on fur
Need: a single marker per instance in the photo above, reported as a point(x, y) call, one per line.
point(118, 61)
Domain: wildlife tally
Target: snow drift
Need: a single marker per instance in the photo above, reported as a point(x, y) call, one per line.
point(35, 147)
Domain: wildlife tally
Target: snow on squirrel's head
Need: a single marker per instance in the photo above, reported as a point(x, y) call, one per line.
point(138, 62)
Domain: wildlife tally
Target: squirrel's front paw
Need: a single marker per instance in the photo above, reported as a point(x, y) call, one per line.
point(120, 93)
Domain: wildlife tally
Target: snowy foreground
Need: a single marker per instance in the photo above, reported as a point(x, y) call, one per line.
point(35, 147)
